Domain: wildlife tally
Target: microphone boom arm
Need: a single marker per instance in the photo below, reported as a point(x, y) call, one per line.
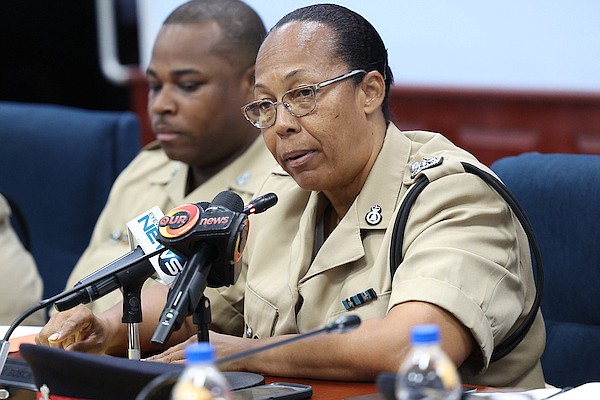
point(344, 323)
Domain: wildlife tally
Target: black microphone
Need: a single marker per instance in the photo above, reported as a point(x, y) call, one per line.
point(213, 241)
point(260, 204)
point(221, 224)
point(133, 265)
point(345, 323)
point(132, 269)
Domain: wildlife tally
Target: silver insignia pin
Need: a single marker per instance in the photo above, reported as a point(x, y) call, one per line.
point(424, 164)
point(374, 217)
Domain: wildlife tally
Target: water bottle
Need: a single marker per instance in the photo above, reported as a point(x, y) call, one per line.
point(201, 380)
point(427, 373)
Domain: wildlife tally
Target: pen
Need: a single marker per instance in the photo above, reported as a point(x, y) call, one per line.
point(566, 388)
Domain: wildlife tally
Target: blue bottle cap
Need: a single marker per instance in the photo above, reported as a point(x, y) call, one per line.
point(425, 334)
point(200, 352)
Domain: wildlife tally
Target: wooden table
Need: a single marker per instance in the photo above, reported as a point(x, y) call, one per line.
point(331, 390)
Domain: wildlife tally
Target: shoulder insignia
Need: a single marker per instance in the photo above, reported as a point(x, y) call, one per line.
point(426, 163)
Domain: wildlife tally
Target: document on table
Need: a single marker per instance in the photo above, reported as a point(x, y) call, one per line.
point(589, 390)
point(586, 391)
point(536, 394)
point(20, 331)
point(22, 334)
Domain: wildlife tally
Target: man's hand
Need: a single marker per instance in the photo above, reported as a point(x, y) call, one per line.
point(77, 329)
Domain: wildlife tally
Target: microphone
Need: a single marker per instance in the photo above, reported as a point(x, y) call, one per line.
point(144, 228)
point(260, 204)
point(345, 323)
point(213, 241)
point(106, 279)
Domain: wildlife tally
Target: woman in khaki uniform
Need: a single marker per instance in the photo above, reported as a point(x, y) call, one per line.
point(322, 84)
point(20, 283)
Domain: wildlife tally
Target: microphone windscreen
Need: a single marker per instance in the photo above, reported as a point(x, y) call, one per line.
point(203, 205)
point(229, 200)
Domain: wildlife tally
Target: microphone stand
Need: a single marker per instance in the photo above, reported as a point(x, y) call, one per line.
point(202, 318)
point(5, 344)
point(132, 280)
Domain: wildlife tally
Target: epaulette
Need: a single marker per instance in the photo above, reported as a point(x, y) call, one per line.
point(426, 163)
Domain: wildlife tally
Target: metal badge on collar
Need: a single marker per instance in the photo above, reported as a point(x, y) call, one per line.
point(424, 164)
point(359, 299)
point(374, 217)
point(243, 179)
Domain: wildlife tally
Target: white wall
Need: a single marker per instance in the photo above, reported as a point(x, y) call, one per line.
point(518, 44)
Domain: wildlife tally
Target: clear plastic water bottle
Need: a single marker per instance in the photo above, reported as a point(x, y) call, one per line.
point(201, 380)
point(427, 373)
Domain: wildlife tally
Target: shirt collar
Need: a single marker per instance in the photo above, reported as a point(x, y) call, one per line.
point(383, 185)
point(243, 176)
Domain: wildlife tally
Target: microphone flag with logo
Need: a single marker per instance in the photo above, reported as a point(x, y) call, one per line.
point(143, 229)
point(222, 225)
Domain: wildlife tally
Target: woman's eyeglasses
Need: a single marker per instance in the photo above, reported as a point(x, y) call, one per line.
point(298, 102)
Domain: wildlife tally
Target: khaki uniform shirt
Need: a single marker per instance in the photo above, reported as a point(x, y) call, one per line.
point(21, 286)
point(463, 250)
point(152, 179)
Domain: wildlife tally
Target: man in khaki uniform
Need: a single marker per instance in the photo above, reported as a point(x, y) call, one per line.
point(200, 74)
point(20, 283)
point(152, 179)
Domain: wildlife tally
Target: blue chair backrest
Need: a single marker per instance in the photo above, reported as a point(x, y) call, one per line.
point(58, 164)
point(561, 196)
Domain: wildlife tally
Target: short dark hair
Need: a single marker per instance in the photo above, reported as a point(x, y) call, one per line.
point(356, 41)
point(243, 30)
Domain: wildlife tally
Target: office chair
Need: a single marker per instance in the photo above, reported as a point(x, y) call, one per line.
point(561, 195)
point(57, 164)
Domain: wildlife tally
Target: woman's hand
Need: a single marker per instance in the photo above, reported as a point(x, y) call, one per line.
point(224, 345)
point(174, 354)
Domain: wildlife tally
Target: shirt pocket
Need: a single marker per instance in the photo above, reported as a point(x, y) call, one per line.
point(261, 316)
